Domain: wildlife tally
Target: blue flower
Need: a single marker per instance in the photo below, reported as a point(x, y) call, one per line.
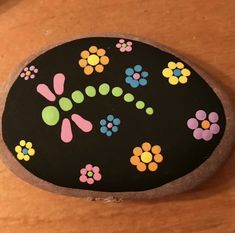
point(109, 125)
point(136, 77)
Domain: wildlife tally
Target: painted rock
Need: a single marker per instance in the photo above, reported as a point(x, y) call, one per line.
point(104, 117)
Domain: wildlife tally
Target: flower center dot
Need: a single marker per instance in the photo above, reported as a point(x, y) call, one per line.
point(177, 72)
point(110, 125)
point(206, 124)
point(124, 45)
point(136, 76)
point(90, 174)
point(25, 151)
point(146, 157)
point(28, 73)
point(93, 60)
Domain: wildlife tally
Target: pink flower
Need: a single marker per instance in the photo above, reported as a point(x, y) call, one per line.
point(204, 127)
point(50, 114)
point(124, 46)
point(29, 72)
point(89, 174)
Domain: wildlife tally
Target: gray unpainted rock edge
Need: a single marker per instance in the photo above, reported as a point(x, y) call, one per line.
point(182, 184)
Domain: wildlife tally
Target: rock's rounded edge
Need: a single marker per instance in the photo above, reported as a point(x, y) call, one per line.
point(182, 184)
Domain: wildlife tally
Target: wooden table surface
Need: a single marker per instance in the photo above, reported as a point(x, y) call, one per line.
point(204, 31)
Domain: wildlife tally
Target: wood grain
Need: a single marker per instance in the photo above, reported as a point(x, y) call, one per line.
point(203, 31)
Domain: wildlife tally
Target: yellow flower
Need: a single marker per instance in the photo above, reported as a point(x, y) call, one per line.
point(94, 59)
point(176, 73)
point(24, 150)
point(146, 156)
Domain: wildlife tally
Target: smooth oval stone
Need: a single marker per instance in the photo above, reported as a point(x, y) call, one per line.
point(121, 117)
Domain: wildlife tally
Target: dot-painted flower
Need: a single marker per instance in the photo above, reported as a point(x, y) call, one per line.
point(29, 73)
point(24, 150)
point(124, 46)
point(109, 125)
point(51, 115)
point(93, 59)
point(90, 174)
point(136, 77)
point(146, 156)
point(203, 126)
point(176, 73)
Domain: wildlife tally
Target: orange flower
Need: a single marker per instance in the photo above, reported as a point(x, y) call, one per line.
point(146, 156)
point(94, 59)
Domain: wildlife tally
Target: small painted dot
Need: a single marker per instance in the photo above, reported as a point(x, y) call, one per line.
point(31, 152)
point(26, 158)
point(109, 133)
point(136, 76)
point(177, 72)
point(93, 59)
point(137, 151)
point(129, 71)
point(129, 97)
point(103, 122)
point(172, 65)
point(183, 79)
point(149, 111)
point(18, 149)
point(180, 65)
point(115, 129)
point(29, 145)
point(141, 167)
point(110, 117)
point(22, 142)
point(138, 68)
point(90, 174)
point(110, 125)
point(117, 91)
point(117, 121)
point(140, 104)
point(144, 74)
point(205, 124)
point(152, 166)
point(146, 157)
point(185, 72)
point(104, 89)
point(103, 129)
point(173, 80)
point(90, 91)
point(77, 97)
point(134, 160)
point(25, 151)
point(143, 82)
point(213, 117)
point(158, 158)
point(65, 104)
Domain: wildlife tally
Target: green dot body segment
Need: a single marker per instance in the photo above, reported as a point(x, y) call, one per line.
point(140, 104)
point(50, 115)
point(117, 91)
point(90, 91)
point(77, 97)
point(65, 104)
point(129, 97)
point(149, 111)
point(104, 89)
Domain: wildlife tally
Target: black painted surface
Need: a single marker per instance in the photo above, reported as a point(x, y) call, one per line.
point(60, 163)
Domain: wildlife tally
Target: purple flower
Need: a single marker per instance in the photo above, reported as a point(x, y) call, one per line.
point(203, 126)
point(29, 72)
